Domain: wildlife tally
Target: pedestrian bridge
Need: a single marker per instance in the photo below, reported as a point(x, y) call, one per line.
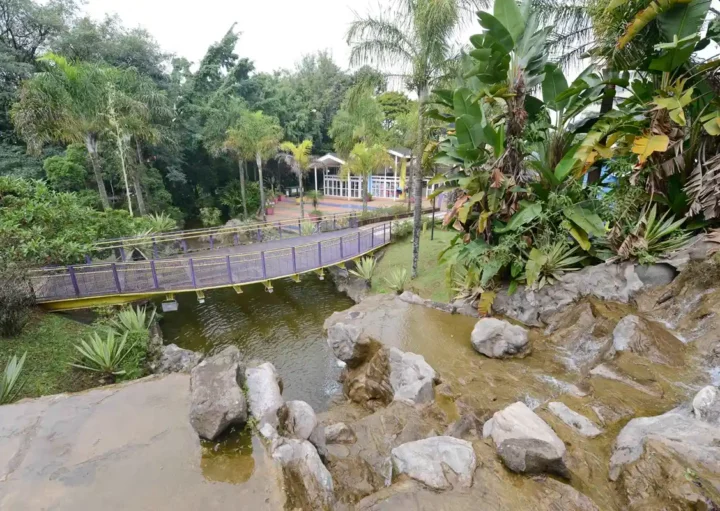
point(217, 265)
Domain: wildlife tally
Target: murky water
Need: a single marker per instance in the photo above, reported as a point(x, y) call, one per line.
point(284, 327)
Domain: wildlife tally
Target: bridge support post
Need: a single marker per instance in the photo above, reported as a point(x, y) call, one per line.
point(358, 252)
point(155, 251)
point(122, 254)
point(212, 242)
point(385, 234)
point(229, 269)
point(319, 253)
point(341, 248)
point(183, 243)
point(192, 272)
point(294, 260)
point(154, 274)
point(236, 239)
point(372, 237)
point(280, 230)
point(116, 277)
point(264, 268)
point(334, 222)
point(73, 279)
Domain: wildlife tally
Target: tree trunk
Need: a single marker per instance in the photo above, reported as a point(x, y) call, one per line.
point(137, 182)
point(363, 183)
point(417, 182)
point(91, 145)
point(241, 165)
point(123, 167)
point(608, 100)
point(302, 202)
point(512, 161)
point(258, 160)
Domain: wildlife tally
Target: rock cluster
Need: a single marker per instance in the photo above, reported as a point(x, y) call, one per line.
point(177, 360)
point(440, 462)
point(496, 338)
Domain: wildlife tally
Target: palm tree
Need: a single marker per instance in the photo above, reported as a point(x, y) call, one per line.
point(297, 157)
point(65, 103)
point(415, 42)
point(359, 119)
point(256, 136)
point(363, 161)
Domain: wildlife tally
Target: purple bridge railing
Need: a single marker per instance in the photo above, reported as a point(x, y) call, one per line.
point(204, 272)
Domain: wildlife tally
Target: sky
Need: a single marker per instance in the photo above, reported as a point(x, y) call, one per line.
point(275, 33)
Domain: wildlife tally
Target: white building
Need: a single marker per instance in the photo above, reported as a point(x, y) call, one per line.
point(388, 183)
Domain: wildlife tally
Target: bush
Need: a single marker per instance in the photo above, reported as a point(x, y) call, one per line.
point(401, 229)
point(16, 300)
point(364, 269)
point(9, 379)
point(397, 280)
point(105, 356)
point(210, 217)
point(133, 320)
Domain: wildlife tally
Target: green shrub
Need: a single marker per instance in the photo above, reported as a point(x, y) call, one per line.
point(397, 280)
point(160, 222)
point(9, 379)
point(401, 229)
point(133, 320)
point(364, 269)
point(105, 356)
point(210, 217)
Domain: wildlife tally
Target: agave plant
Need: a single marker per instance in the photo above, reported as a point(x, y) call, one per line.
point(133, 320)
point(547, 266)
point(160, 222)
point(652, 237)
point(103, 355)
point(364, 269)
point(397, 280)
point(9, 379)
point(307, 228)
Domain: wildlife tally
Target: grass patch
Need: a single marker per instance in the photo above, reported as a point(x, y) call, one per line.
point(49, 340)
point(431, 275)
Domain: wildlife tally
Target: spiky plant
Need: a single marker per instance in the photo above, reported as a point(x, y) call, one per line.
point(307, 228)
point(364, 269)
point(397, 280)
point(653, 237)
point(548, 265)
point(133, 320)
point(103, 356)
point(160, 222)
point(9, 388)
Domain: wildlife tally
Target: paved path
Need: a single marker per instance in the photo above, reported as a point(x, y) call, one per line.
point(124, 447)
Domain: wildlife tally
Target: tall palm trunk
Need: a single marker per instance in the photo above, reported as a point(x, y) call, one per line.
point(606, 105)
point(137, 183)
point(91, 145)
point(123, 168)
point(241, 165)
point(417, 182)
point(258, 160)
point(363, 183)
point(302, 202)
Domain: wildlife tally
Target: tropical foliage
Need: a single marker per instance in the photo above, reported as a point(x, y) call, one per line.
point(364, 161)
point(524, 208)
point(364, 269)
point(9, 379)
point(133, 320)
point(104, 356)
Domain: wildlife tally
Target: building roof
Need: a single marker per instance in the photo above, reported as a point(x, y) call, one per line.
point(400, 152)
point(329, 159)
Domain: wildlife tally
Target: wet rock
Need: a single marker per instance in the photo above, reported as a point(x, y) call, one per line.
point(638, 336)
point(604, 371)
point(297, 420)
point(308, 484)
point(706, 405)
point(611, 282)
point(411, 297)
point(355, 288)
point(467, 424)
point(217, 400)
point(697, 249)
point(695, 441)
point(263, 391)
point(496, 338)
point(369, 384)
point(576, 421)
point(348, 344)
point(655, 275)
point(177, 360)
point(411, 378)
point(525, 442)
point(440, 463)
point(339, 433)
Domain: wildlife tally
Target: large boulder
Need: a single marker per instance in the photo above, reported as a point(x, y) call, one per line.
point(706, 404)
point(411, 378)
point(611, 282)
point(264, 392)
point(525, 442)
point(177, 360)
point(297, 420)
point(348, 344)
point(216, 397)
point(440, 462)
point(496, 338)
point(643, 338)
point(308, 484)
point(369, 383)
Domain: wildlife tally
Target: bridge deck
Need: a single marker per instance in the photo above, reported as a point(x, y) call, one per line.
point(118, 282)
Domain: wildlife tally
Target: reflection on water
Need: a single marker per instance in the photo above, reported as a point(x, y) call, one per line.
point(230, 459)
point(283, 327)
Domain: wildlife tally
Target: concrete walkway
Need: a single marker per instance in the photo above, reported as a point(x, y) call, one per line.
point(125, 447)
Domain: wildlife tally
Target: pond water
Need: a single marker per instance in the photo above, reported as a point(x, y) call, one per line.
point(284, 327)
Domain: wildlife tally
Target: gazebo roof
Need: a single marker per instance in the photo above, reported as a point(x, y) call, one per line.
point(400, 152)
point(330, 160)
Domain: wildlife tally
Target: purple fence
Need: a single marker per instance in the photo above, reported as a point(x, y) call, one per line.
point(180, 274)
